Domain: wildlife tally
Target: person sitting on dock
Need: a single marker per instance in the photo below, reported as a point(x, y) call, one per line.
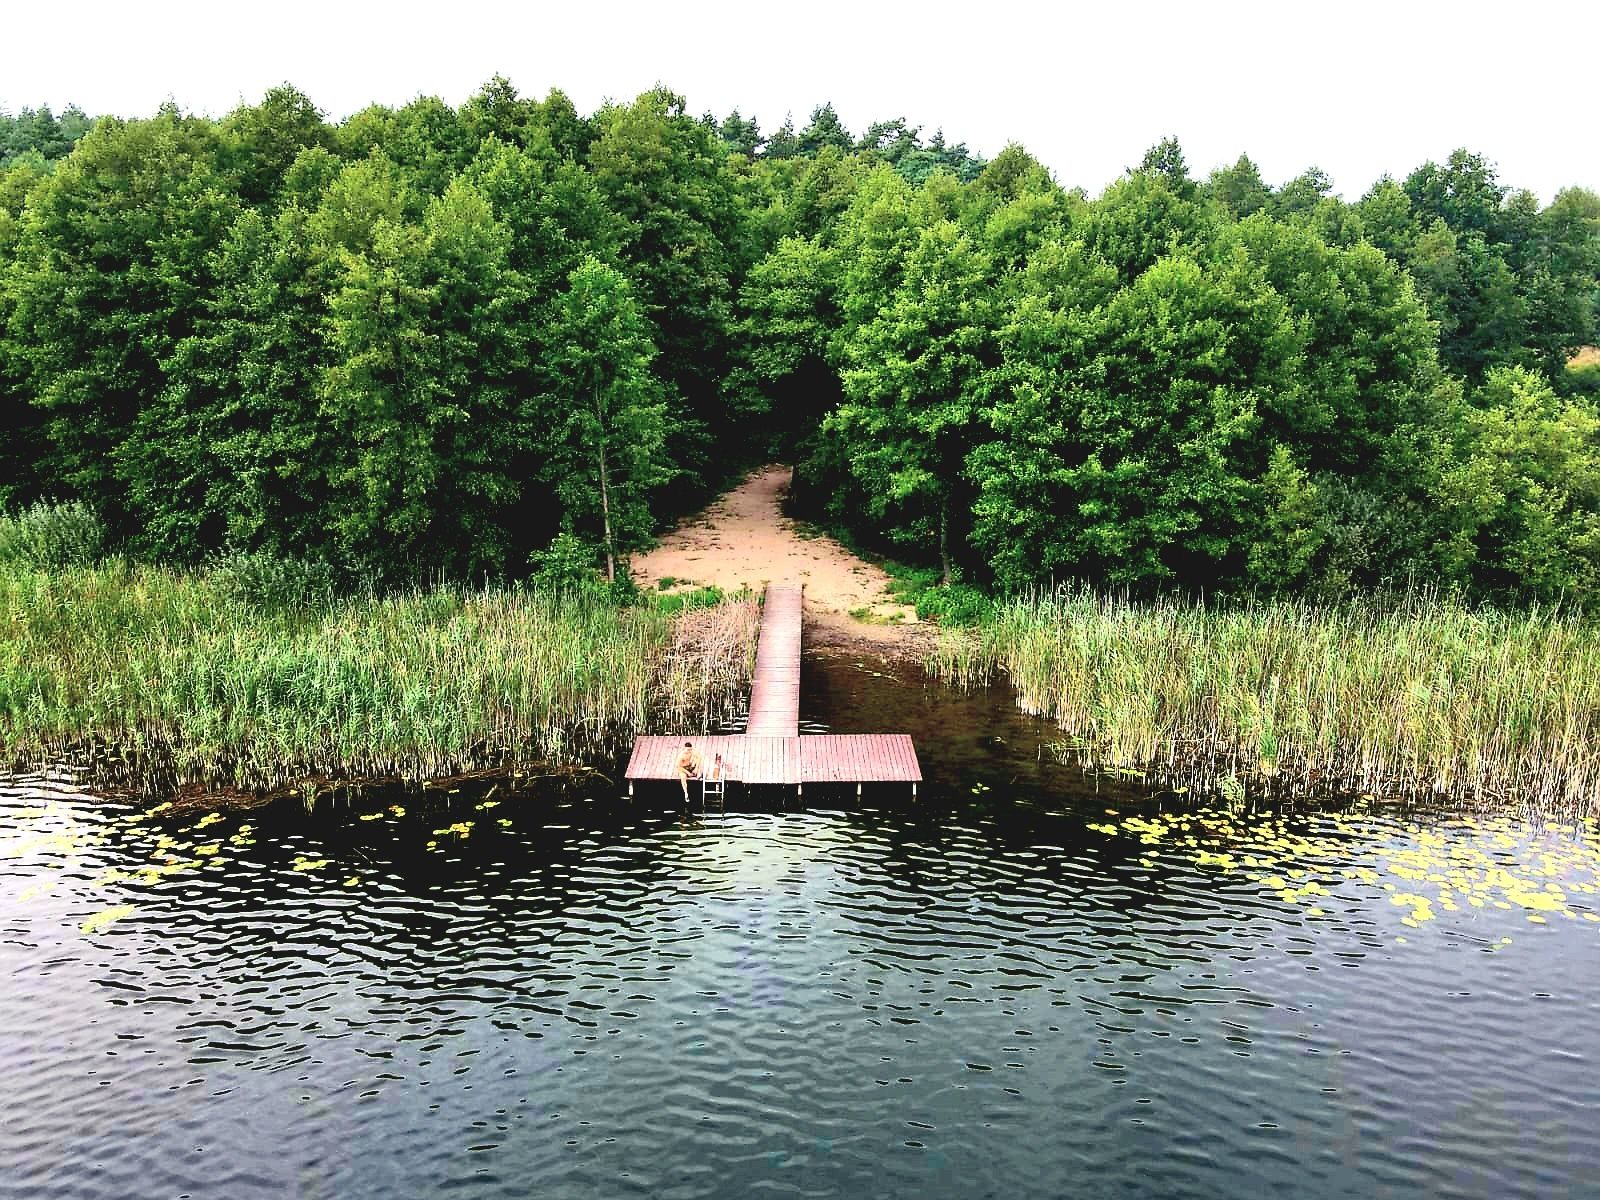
point(688, 768)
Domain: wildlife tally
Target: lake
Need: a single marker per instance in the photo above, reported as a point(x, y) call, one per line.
point(1015, 986)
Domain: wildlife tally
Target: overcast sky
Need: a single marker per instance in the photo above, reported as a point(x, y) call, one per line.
point(1356, 87)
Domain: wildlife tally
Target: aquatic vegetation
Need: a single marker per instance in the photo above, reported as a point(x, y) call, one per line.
point(154, 680)
point(1457, 865)
point(1426, 696)
point(106, 917)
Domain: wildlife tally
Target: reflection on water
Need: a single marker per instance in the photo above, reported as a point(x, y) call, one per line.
point(1010, 991)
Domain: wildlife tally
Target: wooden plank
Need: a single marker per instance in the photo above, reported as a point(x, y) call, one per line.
point(657, 757)
point(858, 758)
point(775, 690)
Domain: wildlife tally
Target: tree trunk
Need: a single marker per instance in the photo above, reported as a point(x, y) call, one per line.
point(944, 541)
point(605, 492)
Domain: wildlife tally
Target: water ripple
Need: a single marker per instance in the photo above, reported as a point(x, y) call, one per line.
point(918, 1001)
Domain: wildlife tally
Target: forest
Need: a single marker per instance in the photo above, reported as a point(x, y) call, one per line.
point(478, 342)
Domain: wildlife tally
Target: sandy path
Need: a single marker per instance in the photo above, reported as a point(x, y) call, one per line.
point(744, 540)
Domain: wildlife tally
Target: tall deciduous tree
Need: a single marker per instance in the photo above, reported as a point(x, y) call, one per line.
point(663, 173)
point(607, 421)
point(1528, 479)
point(1239, 188)
point(913, 389)
point(1141, 451)
point(419, 396)
point(112, 259)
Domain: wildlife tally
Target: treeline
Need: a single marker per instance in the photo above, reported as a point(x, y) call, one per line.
point(39, 133)
point(423, 341)
point(436, 340)
point(1205, 384)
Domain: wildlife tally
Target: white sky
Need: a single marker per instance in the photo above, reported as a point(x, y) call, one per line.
point(1357, 87)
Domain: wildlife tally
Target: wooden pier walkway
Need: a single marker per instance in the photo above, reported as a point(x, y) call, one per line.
point(775, 688)
point(772, 749)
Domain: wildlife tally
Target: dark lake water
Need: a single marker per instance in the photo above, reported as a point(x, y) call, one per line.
point(1012, 987)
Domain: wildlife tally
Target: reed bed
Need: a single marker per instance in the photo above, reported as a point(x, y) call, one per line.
point(1423, 696)
point(153, 679)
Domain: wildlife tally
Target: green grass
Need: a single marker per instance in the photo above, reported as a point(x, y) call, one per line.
point(676, 602)
point(156, 679)
point(1424, 697)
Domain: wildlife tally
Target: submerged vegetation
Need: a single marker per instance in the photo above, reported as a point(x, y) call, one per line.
point(153, 679)
point(1425, 696)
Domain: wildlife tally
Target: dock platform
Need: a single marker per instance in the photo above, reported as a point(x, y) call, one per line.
point(812, 758)
point(773, 750)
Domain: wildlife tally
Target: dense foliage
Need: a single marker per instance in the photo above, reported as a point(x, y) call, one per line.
point(470, 341)
point(38, 131)
point(1210, 385)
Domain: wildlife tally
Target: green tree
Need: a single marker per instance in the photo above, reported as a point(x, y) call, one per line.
point(1024, 466)
point(913, 388)
point(260, 142)
point(784, 143)
point(788, 318)
point(607, 420)
point(1165, 162)
point(1142, 218)
point(1136, 456)
point(1368, 348)
point(874, 237)
point(1239, 188)
point(1388, 219)
point(1463, 193)
point(233, 450)
point(740, 135)
point(39, 131)
point(111, 262)
point(1526, 484)
point(1562, 279)
point(1302, 194)
point(417, 393)
point(425, 139)
point(825, 129)
point(497, 111)
point(664, 174)
point(821, 190)
point(1472, 292)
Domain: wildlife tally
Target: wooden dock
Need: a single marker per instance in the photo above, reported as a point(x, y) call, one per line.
point(772, 749)
point(775, 687)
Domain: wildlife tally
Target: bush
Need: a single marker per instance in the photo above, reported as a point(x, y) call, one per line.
point(624, 590)
point(276, 584)
point(568, 564)
point(1580, 381)
point(47, 536)
point(955, 604)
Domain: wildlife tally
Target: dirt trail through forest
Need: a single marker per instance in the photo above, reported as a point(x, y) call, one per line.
point(743, 539)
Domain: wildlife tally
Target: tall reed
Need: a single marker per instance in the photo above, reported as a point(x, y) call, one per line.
point(1424, 695)
point(157, 678)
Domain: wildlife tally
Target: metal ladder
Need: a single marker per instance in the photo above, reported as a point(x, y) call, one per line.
point(714, 783)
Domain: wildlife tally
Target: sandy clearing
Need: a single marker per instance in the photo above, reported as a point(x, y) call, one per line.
point(743, 540)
